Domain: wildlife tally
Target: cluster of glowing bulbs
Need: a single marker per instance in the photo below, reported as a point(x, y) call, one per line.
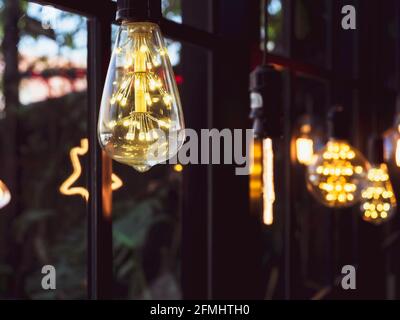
point(378, 201)
point(337, 174)
point(141, 120)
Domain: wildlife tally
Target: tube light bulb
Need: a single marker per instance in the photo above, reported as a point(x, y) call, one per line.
point(378, 201)
point(337, 175)
point(141, 121)
point(268, 182)
point(5, 195)
point(262, 190)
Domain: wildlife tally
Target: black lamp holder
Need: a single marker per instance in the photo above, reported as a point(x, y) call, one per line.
point(139, 10)
point(265, 94)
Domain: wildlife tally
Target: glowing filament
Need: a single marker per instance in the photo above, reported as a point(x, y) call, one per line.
point(268, 182)
point(304, 150)
point(66, 187)
point(398, 153)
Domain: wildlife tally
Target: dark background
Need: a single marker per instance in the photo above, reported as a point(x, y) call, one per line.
point(190, 234)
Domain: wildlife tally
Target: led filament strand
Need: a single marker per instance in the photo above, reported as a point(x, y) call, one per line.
point(140, 106)
point(268, 182)
point(262, 192)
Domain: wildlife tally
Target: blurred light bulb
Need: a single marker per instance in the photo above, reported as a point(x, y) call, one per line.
point(304, 150)
point(5, 195)
point(308, 138)
point(378, 201)
point(141, 121)
point(337, 174)
point(398, 153)
point(262, 191)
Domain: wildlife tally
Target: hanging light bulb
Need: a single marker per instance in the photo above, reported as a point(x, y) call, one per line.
point(262, 188)
point(339, 171)
point(5, 195)
point(378, 203)
point(141, 121)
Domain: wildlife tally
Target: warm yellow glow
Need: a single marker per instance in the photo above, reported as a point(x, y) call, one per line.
point(378, 199)
point(5, 195)
point(337, 174)
point(398, 153)
point(143, 100)
point(268, 182)
point(304, 150)
point(178, 167)
point(256, 170)
point(66, 187)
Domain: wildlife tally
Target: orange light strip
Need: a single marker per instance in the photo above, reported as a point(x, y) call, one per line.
point(66, 187)
point(268, 182)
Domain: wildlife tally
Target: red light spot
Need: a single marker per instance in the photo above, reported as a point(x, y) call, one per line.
point(178, 79)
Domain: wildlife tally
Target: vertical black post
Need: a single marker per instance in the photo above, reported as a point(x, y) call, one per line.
point(195, 219)
point(99, 184)
point(237, 240)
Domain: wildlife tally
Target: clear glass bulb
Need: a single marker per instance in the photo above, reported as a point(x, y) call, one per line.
point(378, 202)
point(141, 120)
point(337, 174)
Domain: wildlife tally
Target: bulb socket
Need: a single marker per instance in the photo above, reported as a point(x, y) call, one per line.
point(376, 149)
point(139, 10)
point(266, 101)
point(338, 123)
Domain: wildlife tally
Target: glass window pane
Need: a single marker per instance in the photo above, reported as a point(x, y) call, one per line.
point(43, 118)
